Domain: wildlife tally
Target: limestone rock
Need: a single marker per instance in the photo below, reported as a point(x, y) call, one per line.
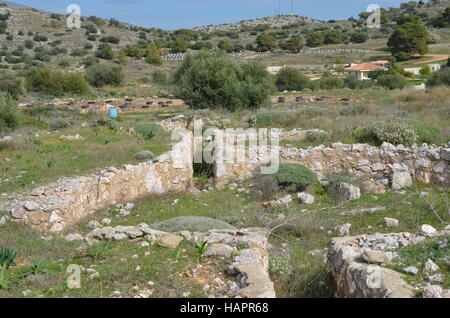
point(430, 266)
point(31, 206)
point(401, 179)
point(427, 230)
point(411, 270)
point(436, 278)
point(348, 191)
point(373, 187)
point(144, 155)
point(343, 230)
point(305, 198)
point(281, 201)
point(74, 237)
point(433, 291)
point(170, 240)
point(391, 222)
point(377, 257)
point(445, 154)
point(220, 249)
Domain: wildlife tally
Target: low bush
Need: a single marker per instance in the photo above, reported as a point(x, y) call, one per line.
point(439, 78)
point(9, 113)
point(60, 123)
point(396, 133)
point(392, 81)
point(104, 122)
point(160, 77)
point(103, 74)
point(192, 224)
point(294, 177)
point(13, 85)
point(52, 82)
point(290, 79)
point(265, 187)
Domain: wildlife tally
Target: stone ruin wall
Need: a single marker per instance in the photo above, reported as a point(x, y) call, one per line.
point(67, 201)
point(427, 164)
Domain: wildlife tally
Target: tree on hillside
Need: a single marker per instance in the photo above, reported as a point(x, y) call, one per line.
point(314, 39)
point(265, 42)
point(359, 37)
point(409, 37)
point(294, 44)
point(442, 20)
point(224, 45)
point(332, 37)
point(153, 55)
point(105, 51)
point(179, 45)
point(214, 80)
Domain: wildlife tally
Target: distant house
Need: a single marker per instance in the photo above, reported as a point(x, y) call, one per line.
point(275, 69)
point(383, 63)
point(361, 71)
point(416, 70)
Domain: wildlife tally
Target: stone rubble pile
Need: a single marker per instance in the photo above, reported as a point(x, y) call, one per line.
point(356, 264)
point(248, 249)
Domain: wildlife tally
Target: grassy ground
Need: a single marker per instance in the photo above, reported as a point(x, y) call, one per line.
point(116, 263)
point(296, 272)
point(41, 156)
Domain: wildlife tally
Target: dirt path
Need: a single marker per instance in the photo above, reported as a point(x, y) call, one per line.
point(431, 58)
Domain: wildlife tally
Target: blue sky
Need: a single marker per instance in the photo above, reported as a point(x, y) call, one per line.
point(174, 14)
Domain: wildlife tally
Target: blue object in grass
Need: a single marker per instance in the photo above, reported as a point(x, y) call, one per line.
point(112, 112)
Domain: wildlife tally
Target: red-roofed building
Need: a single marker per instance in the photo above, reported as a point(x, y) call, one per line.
point(361, 71)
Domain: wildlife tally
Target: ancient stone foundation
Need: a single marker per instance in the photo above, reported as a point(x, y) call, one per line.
point(427, 164)
point(69, 200)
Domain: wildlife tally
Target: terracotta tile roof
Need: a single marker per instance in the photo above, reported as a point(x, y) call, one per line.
point(365, 67)
point(380, 62)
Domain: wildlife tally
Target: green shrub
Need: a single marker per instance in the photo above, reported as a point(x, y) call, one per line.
point(160, 77)
point(268, 119)
point(104, 122)
point(60, 123)
point(291, 79)
point(52, 82)
point(9, 112)
point(425, 133)
point(396, 133)
point(265, 187)
point(392, 81)
point(366, 134)
point(105, 51)
point(192, 224)
point(76, 83)
point(315, 136)
point(103, 74)
point(294, 177)
point(214, 80)
point(144, 128)
point(13, 85)
point(330, 82)
point(439, 78)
